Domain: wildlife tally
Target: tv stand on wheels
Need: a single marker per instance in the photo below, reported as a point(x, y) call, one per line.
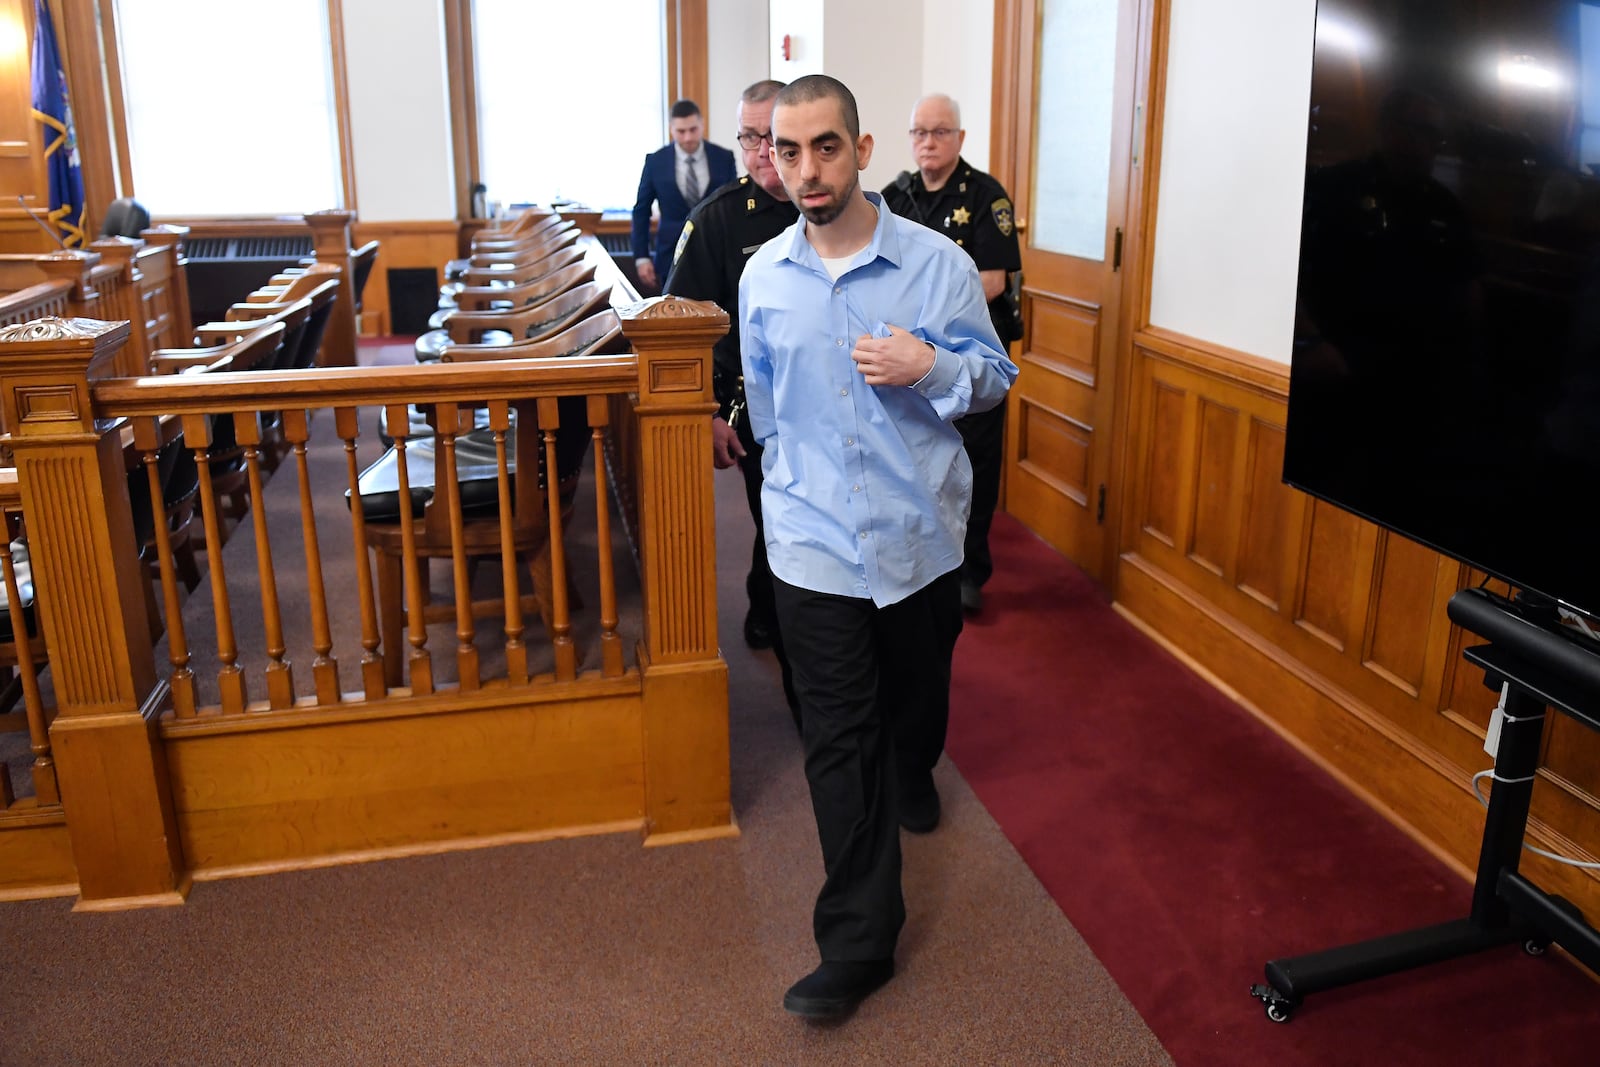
point(1540, 669)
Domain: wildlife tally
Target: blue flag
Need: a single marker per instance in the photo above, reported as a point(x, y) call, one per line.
point(50, 107)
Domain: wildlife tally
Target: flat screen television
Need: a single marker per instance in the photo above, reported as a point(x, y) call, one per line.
point(1445, 378)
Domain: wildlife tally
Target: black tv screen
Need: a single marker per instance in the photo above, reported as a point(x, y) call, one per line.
point(1445, 379)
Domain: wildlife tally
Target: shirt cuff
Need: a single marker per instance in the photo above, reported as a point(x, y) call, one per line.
point(941, 376)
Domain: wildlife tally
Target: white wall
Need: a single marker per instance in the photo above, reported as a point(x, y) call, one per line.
point(736, 44)
point(802, 22)
point(399, 110)
point(889, 54)
point(958, 59)
point(1233, 171)
point(876, 49)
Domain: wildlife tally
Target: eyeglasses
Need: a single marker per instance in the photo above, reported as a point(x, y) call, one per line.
point(943, 133)
point(752, 140)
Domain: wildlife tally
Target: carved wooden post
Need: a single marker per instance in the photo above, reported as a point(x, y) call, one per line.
point(330, 230)
point(73, 265)
point(121, 301)
point(174, 236)
point(685, 677)
point(111, 766)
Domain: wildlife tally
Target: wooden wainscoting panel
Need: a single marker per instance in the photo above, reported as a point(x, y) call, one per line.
point(321, 789)
point(422, 243)
point(1161, 501)
point(1212, 532)
point(1401, 609)
point(1265, 518)
point(1331, 606)
point(1331, 629)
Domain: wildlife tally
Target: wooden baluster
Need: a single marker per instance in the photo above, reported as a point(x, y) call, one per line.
point(516, 650)
point(280, 674)
point(348, 424)
point(324, 668)
point(449, 419)
point(419, 664)
point(147, 439)
point(561, 623)
point(230, 678)
point(610, 643)
point(44, 766)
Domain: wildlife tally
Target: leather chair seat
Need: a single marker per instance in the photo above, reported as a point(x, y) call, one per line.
point(24, 573)
point(430, 344)
point(477, 469)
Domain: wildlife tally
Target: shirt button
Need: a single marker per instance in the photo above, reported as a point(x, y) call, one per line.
point(838, 289)
point(844, 392)
point(849, 440)
point(855, 489)
point(838, 342)
point(863, 535)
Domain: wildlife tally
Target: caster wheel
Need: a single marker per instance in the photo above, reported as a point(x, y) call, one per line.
point(1535, 947)
point(1279, 1011)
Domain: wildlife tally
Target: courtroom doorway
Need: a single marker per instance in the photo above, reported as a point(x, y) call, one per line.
point(1068, 124)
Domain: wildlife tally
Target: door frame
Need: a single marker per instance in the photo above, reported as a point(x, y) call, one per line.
point(1013, 47)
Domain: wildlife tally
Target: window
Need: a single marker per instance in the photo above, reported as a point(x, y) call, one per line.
point(230, 107)
point(560, 121)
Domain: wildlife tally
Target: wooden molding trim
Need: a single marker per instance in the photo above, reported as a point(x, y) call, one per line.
point(424, 848)
point(688, 67)
point(1265, 375)
point(341, 103)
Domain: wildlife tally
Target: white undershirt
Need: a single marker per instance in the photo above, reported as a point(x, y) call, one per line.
point(836, 267)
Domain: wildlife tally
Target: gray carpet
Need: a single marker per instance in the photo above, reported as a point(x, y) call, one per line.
point(593, 950)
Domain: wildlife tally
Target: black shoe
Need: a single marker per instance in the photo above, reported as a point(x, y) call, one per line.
point(757, 634)
point(919, 808)
point(836, 987)
point(971, 597)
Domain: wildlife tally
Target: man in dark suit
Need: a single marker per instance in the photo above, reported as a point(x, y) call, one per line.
point(676, 177)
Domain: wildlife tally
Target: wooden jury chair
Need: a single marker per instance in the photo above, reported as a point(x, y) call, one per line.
point(422, 499)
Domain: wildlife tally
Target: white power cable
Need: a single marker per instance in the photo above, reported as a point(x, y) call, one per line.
point(1568, 860)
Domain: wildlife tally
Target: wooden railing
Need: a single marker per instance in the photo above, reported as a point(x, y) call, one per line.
point(192, 747)
point(139, 281)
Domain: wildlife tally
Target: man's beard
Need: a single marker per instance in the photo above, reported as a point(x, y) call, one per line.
point(821, 216)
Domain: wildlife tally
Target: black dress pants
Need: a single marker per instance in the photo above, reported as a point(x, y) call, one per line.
point(984, 437)
point(874, 689)
point(758, 583)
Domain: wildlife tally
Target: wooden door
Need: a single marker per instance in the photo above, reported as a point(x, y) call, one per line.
point(1070, 120)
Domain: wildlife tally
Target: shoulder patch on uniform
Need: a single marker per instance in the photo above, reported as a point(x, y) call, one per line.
point(683, 240)
point(1002, 215)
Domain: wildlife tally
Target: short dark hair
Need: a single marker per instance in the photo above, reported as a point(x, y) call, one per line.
point(821, 87)
point(684, 109)
point(762, 91)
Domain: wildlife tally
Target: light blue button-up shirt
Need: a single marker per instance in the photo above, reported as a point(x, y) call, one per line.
point(866, 488)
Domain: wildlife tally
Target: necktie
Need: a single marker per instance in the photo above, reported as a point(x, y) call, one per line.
point(691, 182)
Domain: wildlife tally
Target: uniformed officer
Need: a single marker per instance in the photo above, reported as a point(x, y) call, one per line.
point(721, 235)
point(947, 194)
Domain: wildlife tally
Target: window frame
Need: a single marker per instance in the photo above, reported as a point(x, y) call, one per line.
point(104, 12)
point(686, 65)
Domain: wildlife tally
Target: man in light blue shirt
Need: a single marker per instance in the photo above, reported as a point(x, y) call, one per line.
point(863, 335)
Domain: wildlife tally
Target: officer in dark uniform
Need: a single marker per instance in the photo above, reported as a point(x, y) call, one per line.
point(723, 232)
point(947, 194)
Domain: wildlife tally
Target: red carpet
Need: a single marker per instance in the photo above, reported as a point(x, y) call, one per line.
point(1189, 844)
